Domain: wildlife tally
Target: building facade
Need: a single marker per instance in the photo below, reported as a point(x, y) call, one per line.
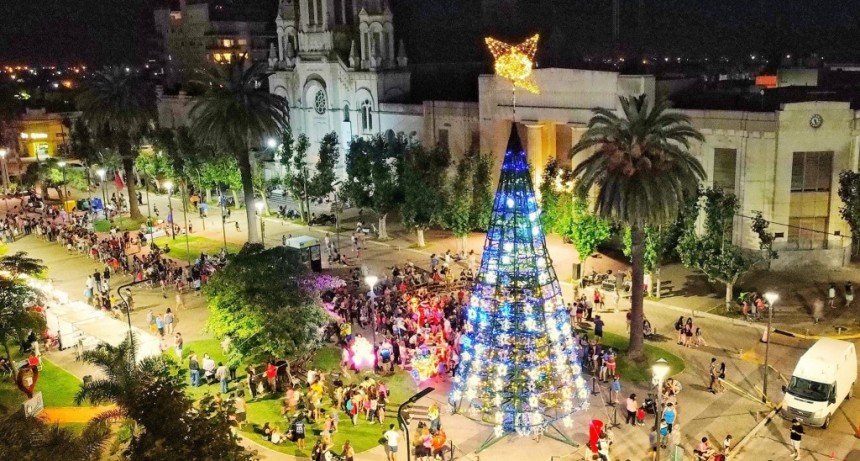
point(197, 34)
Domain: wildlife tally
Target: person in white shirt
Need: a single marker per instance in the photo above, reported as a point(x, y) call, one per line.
point(391, 439)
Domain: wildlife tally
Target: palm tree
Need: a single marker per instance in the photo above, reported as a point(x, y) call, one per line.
point(236, 113)
point(642, 170)
point(120, 105)
point(26, 438)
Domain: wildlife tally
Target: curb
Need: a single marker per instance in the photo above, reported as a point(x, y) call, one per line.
point(744, 441)
point(802, 336)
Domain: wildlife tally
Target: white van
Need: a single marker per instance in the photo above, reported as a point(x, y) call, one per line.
point(822, 379)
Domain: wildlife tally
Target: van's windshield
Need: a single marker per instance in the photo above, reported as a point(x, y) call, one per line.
point(809, 390)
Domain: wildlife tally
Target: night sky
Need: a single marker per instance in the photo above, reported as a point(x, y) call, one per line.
point(117, 31)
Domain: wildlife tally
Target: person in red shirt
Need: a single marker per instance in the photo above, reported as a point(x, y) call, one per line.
point(271, 375)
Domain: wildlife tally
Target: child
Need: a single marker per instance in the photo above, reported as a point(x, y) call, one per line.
point(616, 387)
point(335, 419)
point(640, 416)
point(700, 340)
point(727, 444)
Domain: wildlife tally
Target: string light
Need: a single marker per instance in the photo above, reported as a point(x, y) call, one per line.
point(515, 62)
point(518, 368)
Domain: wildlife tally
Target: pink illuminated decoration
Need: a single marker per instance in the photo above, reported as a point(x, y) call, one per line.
point(362, 354)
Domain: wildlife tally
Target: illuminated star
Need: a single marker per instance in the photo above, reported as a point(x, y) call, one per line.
point(515, 62)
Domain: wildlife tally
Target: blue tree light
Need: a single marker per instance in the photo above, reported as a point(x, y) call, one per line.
point(518, 367)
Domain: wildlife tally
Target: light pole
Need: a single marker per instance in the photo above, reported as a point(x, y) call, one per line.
point(62, 164)
point(169, 186)
point(371, 280)
point(185, 220)
point(258, 204)
point(771, 298)
point(336, 185)
point(660, 370)
point(224, 212)
point(101, 172)
point(3, 153)
point(307, 199)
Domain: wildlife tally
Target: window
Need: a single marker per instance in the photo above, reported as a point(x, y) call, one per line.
point(348, 13)
point(811, 171)
point(320, 102)
point(227, 43)
point(725, 168)
point(442, 138)
point(338, 12)
point(242, 42)
point(346, 113)
point(366, 116)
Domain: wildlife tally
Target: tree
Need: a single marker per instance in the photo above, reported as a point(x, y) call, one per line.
point(458, 210)
point(258, 301)
point(235, 113)
point(642, 171)
point(222, 172)
point(120, 105)
point(16, 299)
point(374, 169)
point(555, 192)
point(482, 195)
point(164, 422)
point(31, 439)
point(294, 154)
point(656, 244)
point(322, 184)
point(849, 192)
point(424, 175)
point(586, 230)
point(713, 252)
point(83, 148)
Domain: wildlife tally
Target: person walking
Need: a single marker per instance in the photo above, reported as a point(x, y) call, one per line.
point(831, 295)
point(795, 436)
point(631, 407)
point(712, 373)
point(849, 294)
point(817, 310)
point(721, 375)
point(391, 441)
point(221, 374)
point(669, 416)
point(194, 369)
point(177, 345)
point(168, 321)
point(159, 325)
point(598, 329)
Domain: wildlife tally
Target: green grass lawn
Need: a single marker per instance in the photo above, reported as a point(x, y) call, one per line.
point(122, 223)
point(639, 373)
point(196, 245)
point(363, 437)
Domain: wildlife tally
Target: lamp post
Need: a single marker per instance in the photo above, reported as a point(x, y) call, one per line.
point(307, 199)
point(185, 220)
point(169, 186)
point(371, 280)
point(101, 172)
point(224, 213)
point(336, 185)
point(771, 298)
point(660, 370)
point(3, 153)
point(62, 164)
point(258, 204)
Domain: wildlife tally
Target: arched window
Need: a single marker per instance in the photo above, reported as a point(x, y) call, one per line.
point(346, 113)
point(366, 116)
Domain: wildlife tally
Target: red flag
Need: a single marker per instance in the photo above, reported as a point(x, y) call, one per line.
point(117, 179)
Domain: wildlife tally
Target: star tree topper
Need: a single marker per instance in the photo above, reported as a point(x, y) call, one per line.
point(515, 62)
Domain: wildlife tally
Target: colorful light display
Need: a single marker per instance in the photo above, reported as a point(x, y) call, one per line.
point(518, 368)
point(425, 364)
point(362, 354)
point(515, 62)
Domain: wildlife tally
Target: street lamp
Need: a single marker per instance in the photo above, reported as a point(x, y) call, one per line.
point(169, 186)
point(185, 221)
point(271, 143)
point(771, 298)
point(659, 370)
point(258, 204)
point(336, 186)
point(101, 172)
point(371, 280)
point(62, 165)
point(3, 153)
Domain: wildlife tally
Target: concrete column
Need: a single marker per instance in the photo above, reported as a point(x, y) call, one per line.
point(364, 58)
point(576, 132)
point(534, 152)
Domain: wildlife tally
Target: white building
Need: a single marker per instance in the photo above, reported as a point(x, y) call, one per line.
point(337, 67)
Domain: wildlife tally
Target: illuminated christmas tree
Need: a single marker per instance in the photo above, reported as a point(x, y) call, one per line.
point(518, 367)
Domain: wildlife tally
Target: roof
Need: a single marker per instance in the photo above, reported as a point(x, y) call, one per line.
point(302, 241)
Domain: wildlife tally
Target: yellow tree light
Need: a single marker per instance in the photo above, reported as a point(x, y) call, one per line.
point(515, 62)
